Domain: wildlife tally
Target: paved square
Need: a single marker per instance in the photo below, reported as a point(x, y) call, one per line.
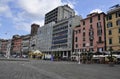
point(38, 69)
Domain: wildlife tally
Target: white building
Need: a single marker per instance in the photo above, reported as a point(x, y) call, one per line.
point(59, 13)
point(62, 39)
point(25, 44)
point(44, 37)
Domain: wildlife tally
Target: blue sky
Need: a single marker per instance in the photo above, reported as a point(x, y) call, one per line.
point(16, 16)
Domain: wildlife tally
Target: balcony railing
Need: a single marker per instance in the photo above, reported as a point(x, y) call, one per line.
point(100, 42)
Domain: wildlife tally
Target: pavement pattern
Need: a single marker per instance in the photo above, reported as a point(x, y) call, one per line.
point(40, 69)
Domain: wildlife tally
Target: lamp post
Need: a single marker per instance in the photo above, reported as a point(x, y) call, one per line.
point(79, 57)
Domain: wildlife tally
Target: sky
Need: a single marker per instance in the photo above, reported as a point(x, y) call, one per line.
point(16, 16)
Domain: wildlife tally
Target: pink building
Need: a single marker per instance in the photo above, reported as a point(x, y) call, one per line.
point(89, 36)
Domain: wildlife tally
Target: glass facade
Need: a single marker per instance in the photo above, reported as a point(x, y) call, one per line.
point(60, 35)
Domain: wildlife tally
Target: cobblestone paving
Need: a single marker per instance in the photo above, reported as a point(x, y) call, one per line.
point(38, 69)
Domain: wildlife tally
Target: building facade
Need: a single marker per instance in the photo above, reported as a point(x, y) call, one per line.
point(59, 13)
point(113, 28)
point(0, 46)
point(89, 36)
point(34, 29)
point(62, 37)
point(44, 37)
point(8, 48)
point(25, 44)
point(33, 37)
point(16, 45)
point(4, 46)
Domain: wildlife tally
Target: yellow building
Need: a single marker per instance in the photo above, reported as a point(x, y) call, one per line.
point(113, 28)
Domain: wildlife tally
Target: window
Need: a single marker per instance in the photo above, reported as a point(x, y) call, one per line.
point(83, 22)
point(83, 28)
point(91, 43)
point(99, 32)
point(119, 39)
point(76, 31)
point(83, 34)
point(119, 30)
point(109, 24)
point(76, 45)
point(100, 39)
point(83, 39)
point(109, 32)
point(98, 17)
point(99, 25)
point(79, 30)
point(117, 14)
point(110, 40)
point(91, 27)
point(118, 22)
point(76, 39)
point(91, 20)
point(109, 17)
point(83, 44)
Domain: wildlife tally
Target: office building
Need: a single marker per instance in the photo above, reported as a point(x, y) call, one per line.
point(59, 13)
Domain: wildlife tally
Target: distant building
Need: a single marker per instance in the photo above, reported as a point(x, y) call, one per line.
point(8, 48)
point(113, 28)
point(62, 37)
point(5, 46)
point(56, 36)
point(33, 37)
point(89, 36)
point(16, 45)
point(59, 13)
point(33, 43)
point(0, 45)
point(34, 29)
point(44, 37)
point(25, 44)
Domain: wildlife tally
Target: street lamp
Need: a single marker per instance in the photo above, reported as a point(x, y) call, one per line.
point(79, 57)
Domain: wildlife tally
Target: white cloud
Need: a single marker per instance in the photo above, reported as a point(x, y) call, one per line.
point(5, 10)
point(38, 7)
point(25, 12)
point(33, 11)
point(23, 26)
point(96, 10)
point(72, 4)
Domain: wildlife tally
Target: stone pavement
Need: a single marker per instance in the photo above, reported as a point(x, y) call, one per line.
point(39, 69)
point(14, 59)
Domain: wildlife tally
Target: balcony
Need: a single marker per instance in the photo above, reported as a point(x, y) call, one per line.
point(100, 42)
point(91, 38)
